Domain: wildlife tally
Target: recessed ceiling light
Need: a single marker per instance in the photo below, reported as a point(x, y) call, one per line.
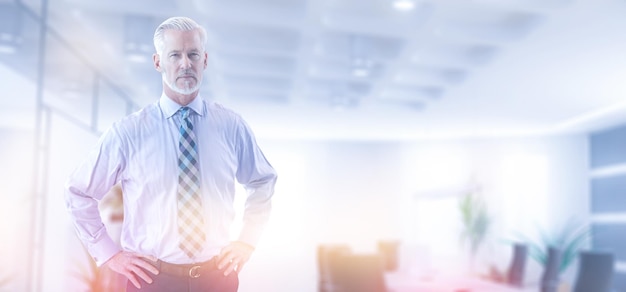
point(137, 58)
point(360, 72)
point(7, 49)
point(404, 5)
point(361, 67)
point(77, 13)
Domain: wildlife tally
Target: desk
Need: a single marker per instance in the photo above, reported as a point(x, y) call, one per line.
point(399, 282)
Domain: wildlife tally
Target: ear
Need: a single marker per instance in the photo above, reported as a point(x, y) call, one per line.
point(157, 62)
point(206, 60)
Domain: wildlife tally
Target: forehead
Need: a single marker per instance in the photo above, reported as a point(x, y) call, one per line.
point(182, 40)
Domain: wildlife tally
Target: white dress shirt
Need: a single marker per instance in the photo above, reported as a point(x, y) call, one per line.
point(141, 153)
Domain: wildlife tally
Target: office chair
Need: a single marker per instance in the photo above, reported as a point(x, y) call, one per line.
point(595, 272)
point(329, 258)
point(515, 274)
point(388, 249)
point(361, 273)
point(550, 277)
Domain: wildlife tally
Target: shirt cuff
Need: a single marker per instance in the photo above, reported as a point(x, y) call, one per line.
point(103, 250)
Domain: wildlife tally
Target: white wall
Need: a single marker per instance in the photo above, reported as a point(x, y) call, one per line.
point(360, 192)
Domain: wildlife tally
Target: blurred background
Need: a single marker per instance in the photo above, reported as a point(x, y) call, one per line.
point(402, 121)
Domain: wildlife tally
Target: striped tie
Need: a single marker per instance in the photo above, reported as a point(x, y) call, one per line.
point(190, 221)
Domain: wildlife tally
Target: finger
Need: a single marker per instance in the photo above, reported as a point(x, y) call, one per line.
point(230, 268)
point(142, 274)
point(224, 259)
point(224, 263)
point(133, 280)
point(149, 257)
point(240, 266)
point(147, 266)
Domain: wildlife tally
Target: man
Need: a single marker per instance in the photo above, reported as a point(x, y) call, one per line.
point(177, 161)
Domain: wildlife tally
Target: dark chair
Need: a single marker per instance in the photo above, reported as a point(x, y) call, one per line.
point(329, 258)
point(515, 274)
point(595, 272)
point(360, 273)
point(550, 277)
point(388, 249)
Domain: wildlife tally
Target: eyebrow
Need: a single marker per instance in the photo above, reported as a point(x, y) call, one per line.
point(179, 51)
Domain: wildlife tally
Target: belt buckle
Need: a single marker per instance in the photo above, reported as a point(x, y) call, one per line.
point(194, 272)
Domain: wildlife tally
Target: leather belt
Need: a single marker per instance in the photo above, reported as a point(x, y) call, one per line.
point(186, 270)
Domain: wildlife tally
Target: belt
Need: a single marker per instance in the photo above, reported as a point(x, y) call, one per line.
point(186, 270)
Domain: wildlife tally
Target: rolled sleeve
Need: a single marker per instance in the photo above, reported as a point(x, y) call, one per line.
point(103, 250)
point(258, 177)
point(91, 180)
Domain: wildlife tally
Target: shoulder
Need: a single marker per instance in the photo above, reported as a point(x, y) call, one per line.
point(143, 116)
point(132, 129)
point(228, 121)
point(144, 119)
point(222, 113)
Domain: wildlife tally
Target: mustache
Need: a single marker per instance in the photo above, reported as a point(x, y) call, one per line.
point(187, 73)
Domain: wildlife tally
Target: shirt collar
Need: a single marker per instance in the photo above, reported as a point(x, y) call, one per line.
point(170, 107)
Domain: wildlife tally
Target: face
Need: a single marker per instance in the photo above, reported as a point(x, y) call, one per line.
point(182, 61)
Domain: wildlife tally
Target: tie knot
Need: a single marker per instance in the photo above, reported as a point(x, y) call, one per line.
point(184, 112)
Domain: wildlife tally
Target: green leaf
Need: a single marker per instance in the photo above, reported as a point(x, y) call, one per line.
point(475, 221)
point(570, 238)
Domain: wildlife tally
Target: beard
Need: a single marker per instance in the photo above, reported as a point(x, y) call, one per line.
point(174, 87)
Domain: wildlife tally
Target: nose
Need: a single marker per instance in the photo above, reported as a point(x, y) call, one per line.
point(185, 62)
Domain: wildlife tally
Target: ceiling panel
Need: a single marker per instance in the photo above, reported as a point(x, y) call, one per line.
point(550, 60)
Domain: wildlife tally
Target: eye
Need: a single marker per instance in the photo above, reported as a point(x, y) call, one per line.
point(174, 55)
point(194, 56)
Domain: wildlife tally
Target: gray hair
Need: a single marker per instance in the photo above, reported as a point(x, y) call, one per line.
point(179, 23)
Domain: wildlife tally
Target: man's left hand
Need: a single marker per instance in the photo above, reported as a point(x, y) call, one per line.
point(234, 256)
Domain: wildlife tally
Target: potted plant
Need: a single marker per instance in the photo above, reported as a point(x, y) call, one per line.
point(475, 221)
point(569, 240)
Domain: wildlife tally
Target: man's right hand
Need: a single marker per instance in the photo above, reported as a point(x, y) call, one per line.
point(132, 265)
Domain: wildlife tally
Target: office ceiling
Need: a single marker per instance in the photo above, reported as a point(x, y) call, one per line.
point(362, 69)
